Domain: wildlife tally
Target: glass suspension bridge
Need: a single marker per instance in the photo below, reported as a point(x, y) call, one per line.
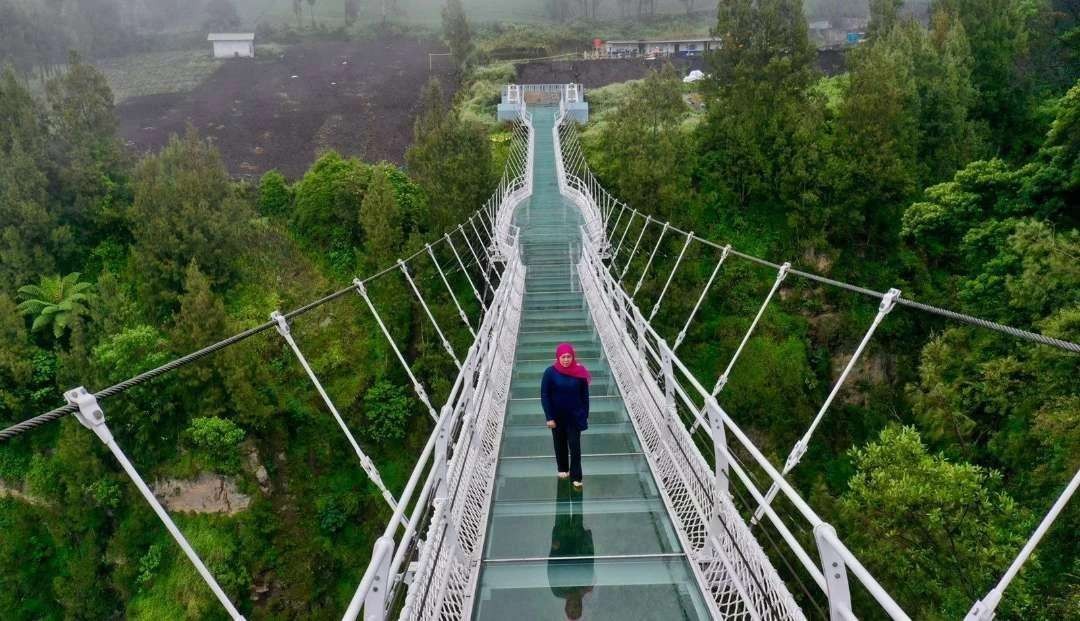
point(681, 515)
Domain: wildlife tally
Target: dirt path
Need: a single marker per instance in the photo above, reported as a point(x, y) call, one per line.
point(356, 97)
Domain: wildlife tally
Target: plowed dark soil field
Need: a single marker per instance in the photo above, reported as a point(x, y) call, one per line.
point(281, 111)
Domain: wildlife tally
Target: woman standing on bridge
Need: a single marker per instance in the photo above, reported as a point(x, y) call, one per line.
point(564, 394)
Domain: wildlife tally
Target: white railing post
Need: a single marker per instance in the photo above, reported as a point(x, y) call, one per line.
point(797, 451)
point(721, 462)
point(92, 417)
point(835, 572)
point(375, 602)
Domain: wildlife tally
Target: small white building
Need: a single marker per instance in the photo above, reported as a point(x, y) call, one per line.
point(233, 44)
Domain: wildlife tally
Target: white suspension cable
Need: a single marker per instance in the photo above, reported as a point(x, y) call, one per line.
point(704, 291)
point(457, 305)
point(723, 379)
point(629, 223)
point(476, 257)
point(983, 610)
point(427, 311)
point(797, 451)
point(648, 264)
point(671, 276)
point(648, 220)
point(365, 462)
point(417, 386)
point(90, 415)
point(461, 264)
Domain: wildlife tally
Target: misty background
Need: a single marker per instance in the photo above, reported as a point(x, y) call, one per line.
point(36, 35)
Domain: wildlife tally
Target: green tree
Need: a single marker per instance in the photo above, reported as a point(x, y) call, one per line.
point(56, 302)
point(184, 210)
point(83, 146)
point(1000, 33)
point(450, 159)
point(387, 410)
point(149, 415)
point(381, 219)
point(650, 166)
point(877, 139)
point(325, 211)
point(937, 533)
point(275, 196)
point(884, 15)
point(457, 35)
point(16, 359)
point(28, 230)
point(949, 138)
point(218, 441)
point(754, 155)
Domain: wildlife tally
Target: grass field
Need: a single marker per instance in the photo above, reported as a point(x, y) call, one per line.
point(156, 73)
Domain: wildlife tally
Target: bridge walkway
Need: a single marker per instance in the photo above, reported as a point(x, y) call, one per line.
point(608, 551)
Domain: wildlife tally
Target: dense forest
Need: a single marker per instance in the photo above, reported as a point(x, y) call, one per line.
point(945, 163)
point(112, 265)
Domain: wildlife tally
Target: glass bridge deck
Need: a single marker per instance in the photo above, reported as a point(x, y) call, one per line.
point(608, 551)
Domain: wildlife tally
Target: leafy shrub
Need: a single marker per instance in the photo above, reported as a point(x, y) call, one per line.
point(217, 438)
point(275, 195)
point(387, 408)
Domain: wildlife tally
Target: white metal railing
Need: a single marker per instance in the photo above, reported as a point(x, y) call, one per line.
point(450, 487)
point(515, 93)
point(660, 391)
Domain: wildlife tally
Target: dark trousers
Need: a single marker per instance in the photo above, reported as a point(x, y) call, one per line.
point(568, 449)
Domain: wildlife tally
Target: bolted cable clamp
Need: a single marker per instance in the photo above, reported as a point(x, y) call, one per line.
point(282, 325)
point(782, 274)
point(888, 301)
point(89, 414)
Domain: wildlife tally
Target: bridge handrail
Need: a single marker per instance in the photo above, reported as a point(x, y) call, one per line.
point(709, 403)
point(454, 438)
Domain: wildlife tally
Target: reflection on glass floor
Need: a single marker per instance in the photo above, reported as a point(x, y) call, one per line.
point(608, 551)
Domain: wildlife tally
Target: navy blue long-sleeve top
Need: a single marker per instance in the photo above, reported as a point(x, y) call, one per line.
point(565, 399)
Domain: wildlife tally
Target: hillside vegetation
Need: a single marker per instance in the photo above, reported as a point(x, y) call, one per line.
point(945, 163)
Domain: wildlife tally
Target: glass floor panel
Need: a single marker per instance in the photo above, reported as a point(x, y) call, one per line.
point(614, 589)
point(606, 477)
point(529, 441)
point(572, 526)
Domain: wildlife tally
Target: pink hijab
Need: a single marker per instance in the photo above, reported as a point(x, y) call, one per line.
point(576, 369)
